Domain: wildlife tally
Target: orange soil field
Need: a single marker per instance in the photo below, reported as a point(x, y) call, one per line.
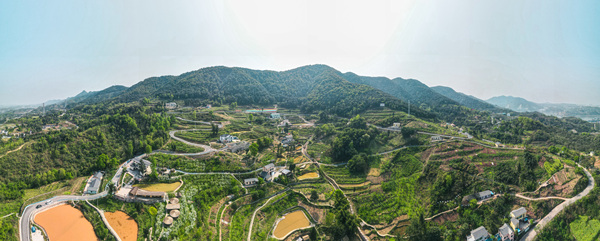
point(159, 187)
point(291, 221)
point(309, 175)
point(65, 223)
point(125, 226)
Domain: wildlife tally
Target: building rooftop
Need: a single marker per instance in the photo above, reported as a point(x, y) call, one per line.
point(173, 206)
point(514, 222)
point(254, 179)
point(136, 191)
point(479, 233)
point(94, 185)
point(505, 230)
point(485, 193)
point(518, 212)
point(168, 220)
point(174, 213)
point(174, 200)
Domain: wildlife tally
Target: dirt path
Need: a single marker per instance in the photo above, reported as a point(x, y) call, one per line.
point(254, 215)
point(11, 151)
point(539, 198)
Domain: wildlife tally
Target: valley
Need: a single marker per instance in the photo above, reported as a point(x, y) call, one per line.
point(321, 164)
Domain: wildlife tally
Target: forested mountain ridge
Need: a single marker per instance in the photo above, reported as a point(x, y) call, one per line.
point(405, 89)
point(313, 87)
point(463, 99)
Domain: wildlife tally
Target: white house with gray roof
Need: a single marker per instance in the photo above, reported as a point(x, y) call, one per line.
point(479, 234)
point(505, 233)
point(519, 213)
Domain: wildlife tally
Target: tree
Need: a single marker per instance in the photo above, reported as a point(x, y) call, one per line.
point(152, 211)
point(253, 149)
point(359, 163)
point(148, 149)
point(314, 195)
point(419, 229)
point(292, 167)
point(101, 161)
point(215, 129)
point(358, 122)
point(111, 189)
point(250, 118)
point(233, 105)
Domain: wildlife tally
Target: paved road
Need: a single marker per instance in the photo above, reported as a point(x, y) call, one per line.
point(544, 221)
point(207, 148)
point(31, 210)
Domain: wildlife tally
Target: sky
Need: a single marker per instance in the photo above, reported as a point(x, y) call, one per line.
point(542, 50)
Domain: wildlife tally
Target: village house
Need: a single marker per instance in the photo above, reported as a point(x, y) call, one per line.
point(480, 196)
point(171, 105)
point(484, 195)
point(238, 146)
point(250, 181)
point(514, 223)
point(275, 116)
point(479, 234)
point(287, 140)
point(94, 183)
point(226, 138)
point(505, 233)
point(436, 138)
point(267, 172)
point(396, 125)
point(519, 213)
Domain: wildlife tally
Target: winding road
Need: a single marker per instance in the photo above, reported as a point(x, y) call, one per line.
point(529, 236)
point(31, 210)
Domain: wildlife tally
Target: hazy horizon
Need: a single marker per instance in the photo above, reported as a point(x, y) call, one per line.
point(543, 51)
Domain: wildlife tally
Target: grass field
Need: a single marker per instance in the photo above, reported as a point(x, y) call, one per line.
point(584, 229)
point(291, 222)
point(159, 187)
point(201, 137)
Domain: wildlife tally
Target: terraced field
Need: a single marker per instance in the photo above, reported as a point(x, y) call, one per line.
point(310, 175)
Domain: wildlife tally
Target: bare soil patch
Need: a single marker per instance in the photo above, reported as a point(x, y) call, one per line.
point(290, 222)
point(124, 225)
point(65, 223)
point(450, 216)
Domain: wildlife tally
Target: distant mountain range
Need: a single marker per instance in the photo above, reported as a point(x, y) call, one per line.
point(315, 88)
point(589, 113)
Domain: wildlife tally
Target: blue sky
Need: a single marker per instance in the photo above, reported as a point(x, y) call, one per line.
point(545, 51)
